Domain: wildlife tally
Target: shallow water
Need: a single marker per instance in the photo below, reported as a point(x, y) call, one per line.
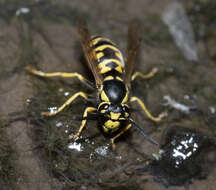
point(43, 35)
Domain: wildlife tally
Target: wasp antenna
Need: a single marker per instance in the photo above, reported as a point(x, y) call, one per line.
point(140, 130)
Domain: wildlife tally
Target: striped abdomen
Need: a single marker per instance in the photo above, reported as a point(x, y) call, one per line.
point(109, 57)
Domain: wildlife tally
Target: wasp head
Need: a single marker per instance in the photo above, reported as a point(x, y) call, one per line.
point(113, 115)
point(114, 111)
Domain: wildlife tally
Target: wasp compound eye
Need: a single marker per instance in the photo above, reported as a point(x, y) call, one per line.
point(125, 109)
point(104, 107)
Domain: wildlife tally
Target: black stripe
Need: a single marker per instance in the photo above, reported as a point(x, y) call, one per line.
point(113, 73)
point(112, 65)
point(108, 54)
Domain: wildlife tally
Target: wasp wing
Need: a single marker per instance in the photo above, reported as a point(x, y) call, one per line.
point(134, 39)
point(85, 39)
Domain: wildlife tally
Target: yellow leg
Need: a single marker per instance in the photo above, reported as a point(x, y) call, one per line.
point(69, 101)
point(57, 74)
point(119, 134)
point(87, 110)
point(145, 76)
point(142, 105)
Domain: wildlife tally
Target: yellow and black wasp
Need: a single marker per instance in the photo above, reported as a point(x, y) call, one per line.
point(112, 82)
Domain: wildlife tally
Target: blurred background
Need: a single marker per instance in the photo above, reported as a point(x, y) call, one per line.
point(178, 37)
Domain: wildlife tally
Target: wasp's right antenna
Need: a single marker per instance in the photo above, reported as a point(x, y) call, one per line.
point(142, 132)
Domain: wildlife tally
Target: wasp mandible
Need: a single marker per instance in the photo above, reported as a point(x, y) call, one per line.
point(112, 77)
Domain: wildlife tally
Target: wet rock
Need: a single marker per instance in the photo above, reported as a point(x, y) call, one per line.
point(184, 154)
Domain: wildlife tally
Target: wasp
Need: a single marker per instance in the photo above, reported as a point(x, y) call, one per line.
point(113, 77)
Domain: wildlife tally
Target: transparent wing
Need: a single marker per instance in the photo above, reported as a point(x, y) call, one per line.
point(134, 39)
point(85, 39)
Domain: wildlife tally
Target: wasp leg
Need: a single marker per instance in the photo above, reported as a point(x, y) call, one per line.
point(87, 110)
point(119, 134)
point(145, 76)
point(142, 105)
point(59, 74)
point(69, 101)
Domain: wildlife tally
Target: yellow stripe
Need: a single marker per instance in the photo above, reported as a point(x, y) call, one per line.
point(112, 124)
point(109, 78)
point(115, 116)
point(99, 55)
point(96, 40)
point(125, 98)
point(107, 69)
point(118, 78)
point(119, 69)
point(118, 55)
point(103, 68)
point(104, 97)
point(104, 103)
point(102, 47)
point(103, 63)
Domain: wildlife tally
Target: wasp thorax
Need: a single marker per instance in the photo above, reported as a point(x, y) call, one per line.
point(114, 91)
